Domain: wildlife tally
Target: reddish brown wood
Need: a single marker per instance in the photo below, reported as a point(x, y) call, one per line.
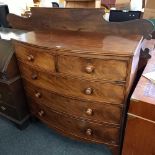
point(93, 68)
point(101, 112)
point(77, 87)
point(70, 86)
point(141, 104)
point(140, 127)
point(81, 44)
point(99, 133)
point(34, 57)
point(88, 20)
point(139, 137)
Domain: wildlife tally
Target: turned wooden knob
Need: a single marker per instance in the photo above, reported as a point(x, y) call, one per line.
point(37, 95)
point(88, 91)
point(3, 108)
point(41, 113)
point(30, 58)
point(89, 132)
point(34, 76)
point(89, 112)
point(89, 69)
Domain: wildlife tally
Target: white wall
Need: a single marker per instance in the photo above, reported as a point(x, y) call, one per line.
point(17, 6)
point(136, 5)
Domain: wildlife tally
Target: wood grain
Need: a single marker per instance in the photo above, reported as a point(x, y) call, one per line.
point(88, 20)
point(139, 137)
point(108, 69)
point(100, 133)
point(141, 116)
point(81, 43)
point(74, 87)
point(101, 112)
point(35, 57)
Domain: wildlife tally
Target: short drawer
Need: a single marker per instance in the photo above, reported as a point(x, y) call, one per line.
point(35, 56)
point(88, 90)
point(5, 93)
point(105, 69)
point(12, 93)
point(8, 110)
point(96, 111)
point(79, 127)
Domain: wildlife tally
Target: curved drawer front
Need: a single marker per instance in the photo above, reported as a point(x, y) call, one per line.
point(93, 91)
point(35, 57)
point(95, 111)
point(93, 68)
point(78, 127)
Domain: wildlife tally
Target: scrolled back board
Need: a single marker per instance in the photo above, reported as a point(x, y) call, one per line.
point(78, 19)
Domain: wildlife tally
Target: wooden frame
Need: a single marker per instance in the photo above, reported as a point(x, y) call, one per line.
point(85, 20)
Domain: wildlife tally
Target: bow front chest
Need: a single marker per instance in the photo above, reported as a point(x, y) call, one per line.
point(78, 83)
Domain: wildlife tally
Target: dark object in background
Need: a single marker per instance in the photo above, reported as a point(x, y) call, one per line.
point(55, 5)
point(12, 99)
point(3, 16)
point(121, 16)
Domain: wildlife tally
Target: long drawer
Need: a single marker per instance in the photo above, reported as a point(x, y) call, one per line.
point(107, 69)
point(83, 89)
point(99, 112)
point(35, 56)
point(77, 127)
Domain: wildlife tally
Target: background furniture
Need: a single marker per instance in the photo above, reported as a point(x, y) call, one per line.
point(108, 3)
point(149, 11)
point(120, 16)
point(55, 5)
point(3, 14)
point(12, 100)
point(140, 127)
point(82, 3)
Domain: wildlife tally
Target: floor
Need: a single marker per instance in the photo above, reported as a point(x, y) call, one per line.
point(38, 139)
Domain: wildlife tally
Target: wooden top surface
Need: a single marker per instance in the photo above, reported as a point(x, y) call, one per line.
point(143, 98)
point(143, 89)
point(83, 42)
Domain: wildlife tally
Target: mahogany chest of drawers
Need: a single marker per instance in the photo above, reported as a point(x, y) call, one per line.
point(12, 99)
point(79, 85)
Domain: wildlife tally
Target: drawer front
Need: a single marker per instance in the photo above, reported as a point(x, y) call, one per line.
point(95, 111)
point(5, 93)
point(93, 68)
point(93, 91)
point(8, 110)
point(81, 128)
point(35, 57)
point(13, 93)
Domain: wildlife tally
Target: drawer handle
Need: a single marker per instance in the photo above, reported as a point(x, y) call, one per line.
point(34, 76)
point(89, 132)
point(89, 69)
point(37, 95)
point(89, 112)
point(30, 58)
point(88, 91)
point(3, 108)
point(41, 113)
